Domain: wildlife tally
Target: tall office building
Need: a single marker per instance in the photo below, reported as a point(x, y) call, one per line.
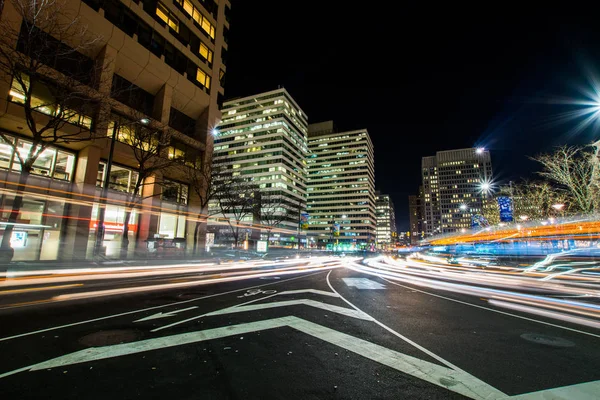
point(341, 187)
point(153, 63)
point(386, 221)
point(455, 184)
point(263, 139)
point(416, 217)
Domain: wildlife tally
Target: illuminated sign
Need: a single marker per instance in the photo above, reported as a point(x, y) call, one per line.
point(261, 246)
point(304, 220)
point(18, 239)
point(506, 209)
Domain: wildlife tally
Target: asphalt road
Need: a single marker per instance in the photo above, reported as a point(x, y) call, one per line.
point(330, 334)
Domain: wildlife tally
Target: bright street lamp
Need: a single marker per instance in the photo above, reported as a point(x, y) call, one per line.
point(558, 206)
point(463, 207)
point(523, 217)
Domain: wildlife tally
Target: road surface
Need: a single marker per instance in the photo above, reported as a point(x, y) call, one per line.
point(326, 332)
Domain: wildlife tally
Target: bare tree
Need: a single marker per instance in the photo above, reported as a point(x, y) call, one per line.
point(149, 146)
point(534, 200)
point(201, 175)
point(236, 200)
point(274, 210)
point(572, 168)
point(52, 81)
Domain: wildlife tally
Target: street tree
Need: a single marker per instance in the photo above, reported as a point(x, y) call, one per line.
point(534, 200)
point(274, 210)
point(573, 170)
point(149, 144)
point(202, 177)
point(236, 199)
point(52, 80)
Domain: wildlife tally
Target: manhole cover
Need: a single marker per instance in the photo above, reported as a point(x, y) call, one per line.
point(107, 338)
point(546, 340)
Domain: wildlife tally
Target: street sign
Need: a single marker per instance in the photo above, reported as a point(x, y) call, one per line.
point(261, 246)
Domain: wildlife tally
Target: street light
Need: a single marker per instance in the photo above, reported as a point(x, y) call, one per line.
point(523, 217)
point(558, 206)
point(463, 207)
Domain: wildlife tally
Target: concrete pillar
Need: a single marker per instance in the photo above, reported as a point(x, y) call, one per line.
point(149, 214)
point(76, 228)
point(162, 104)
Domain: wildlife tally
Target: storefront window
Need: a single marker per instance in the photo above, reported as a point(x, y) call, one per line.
point(121, 179)
point(172, 226)
point(50, 162)
point(175, 192)
point(64, 166)
point(6, 153)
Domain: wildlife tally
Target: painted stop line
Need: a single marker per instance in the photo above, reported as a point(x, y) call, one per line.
point(363, 283)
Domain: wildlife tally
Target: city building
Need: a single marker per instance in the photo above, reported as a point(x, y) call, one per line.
point(386, 221)
point(455, 185)
point(416, 217)
point(262, 139)
point(160, 66)
point(341, 188)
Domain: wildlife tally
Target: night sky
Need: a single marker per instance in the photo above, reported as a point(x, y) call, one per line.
point(420, 82)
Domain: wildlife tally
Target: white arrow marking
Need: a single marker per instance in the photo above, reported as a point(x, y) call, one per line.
point(581, 391)
point(329, 307)
point(457, 381)
point(314, 291)
point(363, 283)
point(164, 314)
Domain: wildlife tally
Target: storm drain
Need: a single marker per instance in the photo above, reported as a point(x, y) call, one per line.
point(110, 337)
point(546, 340)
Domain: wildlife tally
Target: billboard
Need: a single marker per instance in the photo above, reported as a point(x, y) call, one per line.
point(336, 229)
point(304, 220)
point(506, 209)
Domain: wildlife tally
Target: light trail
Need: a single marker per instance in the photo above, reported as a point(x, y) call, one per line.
point(506, 289)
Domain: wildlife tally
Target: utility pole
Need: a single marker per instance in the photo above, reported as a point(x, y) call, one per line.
point(103, 197)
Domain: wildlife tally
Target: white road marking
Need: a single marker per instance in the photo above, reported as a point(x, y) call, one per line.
point(314, 291)
point(581, 391)
point(151, 308)
point(491, 309)
point(248, 302)
point(165, 314)
point(456, 381)
point(203, 315)
point(393, 332)
point(363, 283)
point(323, 306)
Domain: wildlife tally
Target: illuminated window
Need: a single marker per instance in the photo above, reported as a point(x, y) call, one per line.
point(43, 101)
point(203, 78)
point(206, 53)
point(198, 17)
point(188, 7)
point(167, 16)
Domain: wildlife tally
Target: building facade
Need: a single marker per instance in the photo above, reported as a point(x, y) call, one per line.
point(161, 64)
point(262, 140)
point(455, 185)
point(416, 217)
point(387, 234)
point(341, 188)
